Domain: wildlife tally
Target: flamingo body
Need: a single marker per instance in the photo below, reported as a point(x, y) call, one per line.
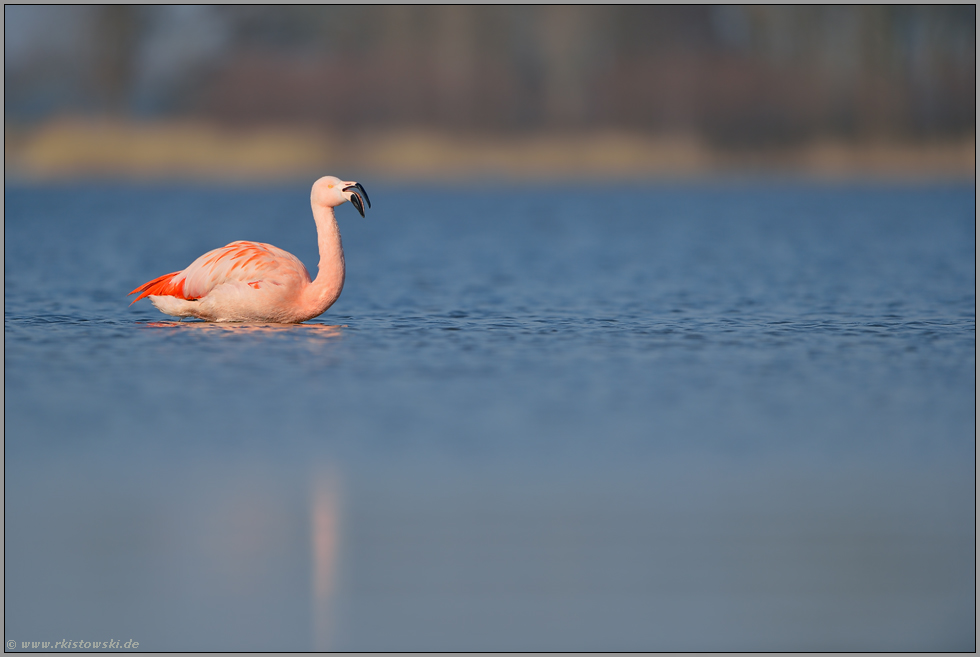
point(256, 282)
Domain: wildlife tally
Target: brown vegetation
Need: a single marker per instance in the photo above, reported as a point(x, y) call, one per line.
point(203, 151)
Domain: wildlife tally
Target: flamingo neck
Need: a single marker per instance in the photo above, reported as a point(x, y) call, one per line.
point(329, 282)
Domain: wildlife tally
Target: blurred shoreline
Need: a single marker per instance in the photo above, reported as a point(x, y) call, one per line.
point(189, 150)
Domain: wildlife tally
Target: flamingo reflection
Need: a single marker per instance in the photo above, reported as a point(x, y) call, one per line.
point(324, 523)
point(325, 330)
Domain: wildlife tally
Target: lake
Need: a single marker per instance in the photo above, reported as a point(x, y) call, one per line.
point(699, 416)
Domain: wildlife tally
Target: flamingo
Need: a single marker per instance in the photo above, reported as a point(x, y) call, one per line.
point(256, 282)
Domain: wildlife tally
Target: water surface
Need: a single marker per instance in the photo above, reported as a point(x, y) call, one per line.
point(698, 417)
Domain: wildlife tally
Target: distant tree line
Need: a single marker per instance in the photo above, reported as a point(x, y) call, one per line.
point(738, 76)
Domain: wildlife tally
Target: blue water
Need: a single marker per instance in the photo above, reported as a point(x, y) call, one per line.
point(710, 416)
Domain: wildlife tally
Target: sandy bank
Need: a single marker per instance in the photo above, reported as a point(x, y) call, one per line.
point(77, 148)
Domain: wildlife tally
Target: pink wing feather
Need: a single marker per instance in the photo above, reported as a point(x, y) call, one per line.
point(248, 262)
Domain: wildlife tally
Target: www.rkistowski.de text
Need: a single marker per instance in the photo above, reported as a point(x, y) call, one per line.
point(65, 644)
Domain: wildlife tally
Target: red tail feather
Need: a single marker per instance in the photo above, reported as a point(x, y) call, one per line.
point(163, 286)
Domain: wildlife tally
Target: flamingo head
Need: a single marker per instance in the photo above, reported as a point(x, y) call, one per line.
point(331, 192)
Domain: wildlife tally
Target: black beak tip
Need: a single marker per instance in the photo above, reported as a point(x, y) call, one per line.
point(355, 197)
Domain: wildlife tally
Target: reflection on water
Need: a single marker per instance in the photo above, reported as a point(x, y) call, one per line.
point(243, 556)
point(318, 330)
point(325, 528)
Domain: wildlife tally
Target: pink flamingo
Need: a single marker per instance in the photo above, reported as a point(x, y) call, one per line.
point(255, 282)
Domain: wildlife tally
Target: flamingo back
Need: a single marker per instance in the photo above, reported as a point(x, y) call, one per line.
point(242, 262)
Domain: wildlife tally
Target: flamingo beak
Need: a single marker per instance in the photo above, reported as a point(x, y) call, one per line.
point(356, 189)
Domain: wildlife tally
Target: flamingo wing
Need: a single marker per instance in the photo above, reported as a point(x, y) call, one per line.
point(246, 262)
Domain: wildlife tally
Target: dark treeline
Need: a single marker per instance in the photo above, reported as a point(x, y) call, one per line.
point(735, 75)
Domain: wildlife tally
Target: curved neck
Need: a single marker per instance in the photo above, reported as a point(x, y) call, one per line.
point(329, 281)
